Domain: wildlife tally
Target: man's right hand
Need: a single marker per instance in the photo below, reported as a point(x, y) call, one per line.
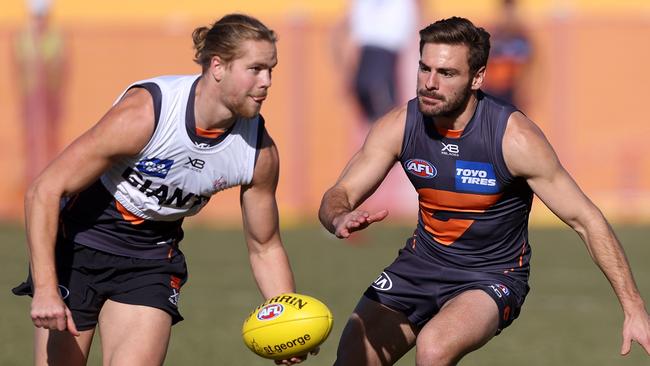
point(346, 224)
point(50, 312)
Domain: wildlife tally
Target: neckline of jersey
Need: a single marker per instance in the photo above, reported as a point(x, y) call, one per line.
point(196, 133)
point(457, 134)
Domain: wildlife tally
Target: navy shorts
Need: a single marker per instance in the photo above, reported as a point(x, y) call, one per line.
point(418, 287)
point(88, 277)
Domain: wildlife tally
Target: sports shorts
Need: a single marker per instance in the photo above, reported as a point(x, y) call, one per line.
point(418, 287)
point(88, 277)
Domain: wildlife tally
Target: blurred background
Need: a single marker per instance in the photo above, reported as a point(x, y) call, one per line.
point(579, 71)
point(576, 67)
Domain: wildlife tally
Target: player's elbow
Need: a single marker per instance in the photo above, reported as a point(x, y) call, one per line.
point(589, 220)
point(267, 254)
point(40, 191)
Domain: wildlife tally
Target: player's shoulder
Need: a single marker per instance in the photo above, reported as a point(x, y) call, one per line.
point(388, 132)
point(395, 118)
point(135, 102)
point(524, 146)
point(398, 112)
point(133, 113)
point(494, 108)
point(165, 84)
point(264, 139)
point(521, 129)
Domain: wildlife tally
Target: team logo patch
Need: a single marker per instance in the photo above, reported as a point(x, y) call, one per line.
point(173, 298)
point(503, 289)
point(220, 184)
point(195, 164)
point(383, 282)
point(449, 149)
point(270, 311)
point(421, 168)
point(472, 176)
point(500, 290)
point(155, 167)
point(175, 282)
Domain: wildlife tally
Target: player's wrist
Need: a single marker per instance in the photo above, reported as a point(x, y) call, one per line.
point(46, 290)
point(634, 306)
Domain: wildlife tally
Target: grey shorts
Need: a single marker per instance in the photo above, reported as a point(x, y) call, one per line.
point(418, 287)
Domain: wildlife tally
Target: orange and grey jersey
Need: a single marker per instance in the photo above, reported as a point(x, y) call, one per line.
point(472, 212)
point(137, 206)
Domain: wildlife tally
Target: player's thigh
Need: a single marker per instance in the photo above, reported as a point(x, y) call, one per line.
point(53, 347)
point(133, 334)
point(465, 323)
point(374, 335)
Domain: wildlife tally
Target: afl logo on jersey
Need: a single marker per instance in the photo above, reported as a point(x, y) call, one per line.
point(421, 168)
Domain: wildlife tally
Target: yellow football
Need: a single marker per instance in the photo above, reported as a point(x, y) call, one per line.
point(287, 325)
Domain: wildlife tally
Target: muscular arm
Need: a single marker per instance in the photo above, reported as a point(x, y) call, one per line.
point(361, 177)
point(267, 256)
point(528, 154)
point(124, 130)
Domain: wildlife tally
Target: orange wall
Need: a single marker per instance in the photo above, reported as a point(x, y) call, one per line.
point(586, 87)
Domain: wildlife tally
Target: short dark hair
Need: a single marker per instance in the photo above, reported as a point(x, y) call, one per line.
point(455, 31)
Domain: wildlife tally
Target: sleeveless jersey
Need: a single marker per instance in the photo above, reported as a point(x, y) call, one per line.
point(472, 212)
point(137, 206)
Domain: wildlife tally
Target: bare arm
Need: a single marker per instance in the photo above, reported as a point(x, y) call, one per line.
point(528, 154)
point(267, 256)
point(362, 176)
point(124, 130)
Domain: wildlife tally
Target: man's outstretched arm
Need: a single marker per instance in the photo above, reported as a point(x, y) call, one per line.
point(528, 154)
point(361, 177)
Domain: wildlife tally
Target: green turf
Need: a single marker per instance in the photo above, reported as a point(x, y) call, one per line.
point(571, 316)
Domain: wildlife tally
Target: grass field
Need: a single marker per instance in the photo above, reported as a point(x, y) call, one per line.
point(571, 317)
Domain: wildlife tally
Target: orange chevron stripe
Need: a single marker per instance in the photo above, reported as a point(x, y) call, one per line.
point(447, 232)
point(128, 216)
point(435, 199)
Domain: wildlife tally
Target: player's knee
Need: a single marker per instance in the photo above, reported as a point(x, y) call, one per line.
point(435, 355)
